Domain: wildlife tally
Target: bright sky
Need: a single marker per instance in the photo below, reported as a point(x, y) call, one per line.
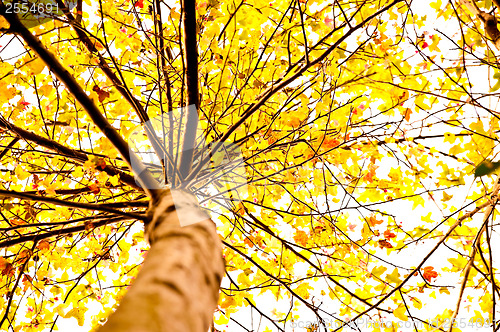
point(411, 218)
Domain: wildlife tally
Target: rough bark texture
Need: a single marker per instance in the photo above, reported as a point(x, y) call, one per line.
point(177, 288)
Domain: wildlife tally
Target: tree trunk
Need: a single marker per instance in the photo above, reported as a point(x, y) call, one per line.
point(177, 288)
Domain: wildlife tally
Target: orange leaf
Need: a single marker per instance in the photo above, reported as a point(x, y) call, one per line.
point(248, 241)
point(329, 22)
point(43, 245)
point(372, 221)
point(26, 281)
point(24, 256)
point(300, 237)
point(389, 235)
point(17, 221)
point(407, 114)
point(369, 176)
point(239, 209)
point(294, 122)
point(330, 143)
point(429, 273)
point(101, 163)
point(95, 188)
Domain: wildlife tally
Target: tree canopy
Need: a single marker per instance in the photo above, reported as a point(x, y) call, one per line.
point(366, 134)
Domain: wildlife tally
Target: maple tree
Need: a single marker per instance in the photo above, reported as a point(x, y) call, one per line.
point(368, 135)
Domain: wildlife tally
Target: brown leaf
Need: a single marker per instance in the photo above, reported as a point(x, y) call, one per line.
point(384, 244)
point(8, 269)
point(101, 93)
point(95, 188)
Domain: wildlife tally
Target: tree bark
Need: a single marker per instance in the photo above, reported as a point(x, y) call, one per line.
point(177, 288)
point(489, 20)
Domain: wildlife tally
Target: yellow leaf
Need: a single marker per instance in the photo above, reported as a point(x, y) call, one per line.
point(436, 5)
point(50, 189)
point(78, 313)
point(418, 201)
point(449, 137)
point(21, 173)
point(227, 301)
point(36, 66)
point(435, 40)
point(393, 277)
point(427, 217)
point(306, 253)
point(126, 130)
point(458, 263)
point(377, 271)
point(400, 313)
point(420, 102)
point(114, 180)
point(41, 274)
point(6, 92)
point(61, 308)
point(416, 303)
point(444, 290)
point(486, 303)
point(303, 290)
point(88, 165)
point(45, 90)
point(478, 127)
point(3, 23)
point(221, 319)
point(446, 197)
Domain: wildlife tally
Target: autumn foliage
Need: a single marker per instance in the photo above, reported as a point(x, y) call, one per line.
point(362, 125)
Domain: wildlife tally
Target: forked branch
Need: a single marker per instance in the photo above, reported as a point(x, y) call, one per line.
point(147, 181)
point(489, 20)
point(475, 247)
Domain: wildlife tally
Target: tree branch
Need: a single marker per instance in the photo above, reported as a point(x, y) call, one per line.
point(177, 288)
point(77, 156)
point(275, 88)
point(489, 21)
point(11, 296)
point(120, 85)
point(475, 247)
point(76, 205)
point(8, 147)
point(191, 78)
point(422, 262)
point(147, 181)
point(61, 231)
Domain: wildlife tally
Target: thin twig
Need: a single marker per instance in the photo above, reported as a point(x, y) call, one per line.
point(60, 149)
point(150, 185)
point(119, 84)
point(422, 262)
point(475, 247)
point(76, 205)
point(60, 231)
